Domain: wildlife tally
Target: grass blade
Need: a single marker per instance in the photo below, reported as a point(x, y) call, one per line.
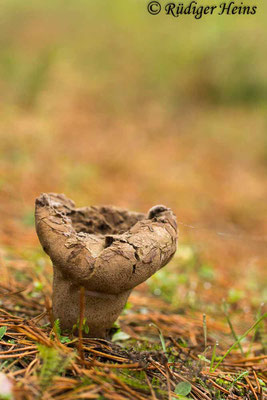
point(232, 328)
point(239, 340)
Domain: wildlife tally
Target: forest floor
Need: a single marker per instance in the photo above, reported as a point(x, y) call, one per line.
point(174, 339)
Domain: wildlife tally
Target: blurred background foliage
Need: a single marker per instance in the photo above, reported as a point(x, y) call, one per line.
point(111, 105)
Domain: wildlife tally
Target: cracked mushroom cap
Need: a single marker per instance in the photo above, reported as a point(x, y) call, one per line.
point(105, 249)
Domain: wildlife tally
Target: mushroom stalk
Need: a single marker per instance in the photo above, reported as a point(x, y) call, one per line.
point(106, 250)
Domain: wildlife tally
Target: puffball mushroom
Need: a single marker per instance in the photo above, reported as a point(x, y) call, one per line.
point(106, 250)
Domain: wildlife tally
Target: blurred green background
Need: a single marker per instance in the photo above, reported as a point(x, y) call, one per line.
point(123, 58)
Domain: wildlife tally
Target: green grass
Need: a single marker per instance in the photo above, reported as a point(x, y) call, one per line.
point(262, 318)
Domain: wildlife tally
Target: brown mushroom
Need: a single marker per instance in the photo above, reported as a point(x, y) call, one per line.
point(106, 250)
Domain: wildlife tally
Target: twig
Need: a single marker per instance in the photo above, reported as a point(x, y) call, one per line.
point(80, 342)
point(150, 387)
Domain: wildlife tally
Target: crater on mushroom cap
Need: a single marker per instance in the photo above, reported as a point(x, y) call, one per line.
point(102, 220)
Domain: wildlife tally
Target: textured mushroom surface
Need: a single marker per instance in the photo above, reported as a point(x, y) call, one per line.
point(106, 250)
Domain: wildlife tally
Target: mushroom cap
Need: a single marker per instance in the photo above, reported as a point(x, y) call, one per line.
point(106, 249)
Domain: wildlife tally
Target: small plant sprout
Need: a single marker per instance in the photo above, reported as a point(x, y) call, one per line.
point(213, 357)
point(162, 340)
point(205, 331)
point(105, 250)
point(57, 331)
point(202, 357)
point(182, 390)
point(238, 378)
point(3, 330)
point(120, 336)
point(83, 325)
